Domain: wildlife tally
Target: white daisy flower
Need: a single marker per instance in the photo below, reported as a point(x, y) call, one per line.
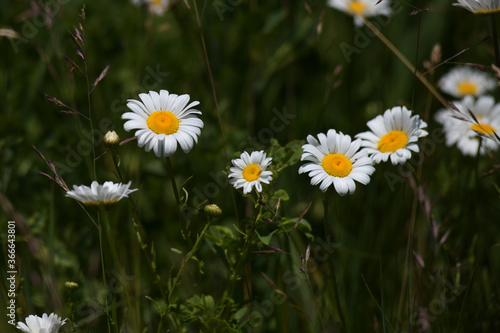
point(466, 132)
point(250, 171)
point(394, 135)
point(162, 121)
point(463, 81)
point(361, 8)
point(46, 324)
point(334, 159)
point(106, 194)
point(480, 6)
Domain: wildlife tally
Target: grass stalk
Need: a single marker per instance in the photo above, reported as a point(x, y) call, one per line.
point(494, 38)
point(407, 63)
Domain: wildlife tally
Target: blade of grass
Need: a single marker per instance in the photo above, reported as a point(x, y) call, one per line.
point(466, 298)
point(378, 306)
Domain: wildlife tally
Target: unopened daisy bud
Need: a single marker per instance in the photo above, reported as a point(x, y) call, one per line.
point(71, 285)
point(213, 210)
point(111, 139)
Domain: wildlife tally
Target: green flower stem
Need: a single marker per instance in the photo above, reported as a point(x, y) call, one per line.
point(249, 239)
point(116, 261)
point(327, 199)
point(111, 241)
point(188, 256)
point(138, 231)
point(103, 272)
point(178, 201)
point(174, 187)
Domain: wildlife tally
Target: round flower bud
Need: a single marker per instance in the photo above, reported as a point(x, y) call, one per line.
point(71, 285)
point(111, 139)
point(213, 210)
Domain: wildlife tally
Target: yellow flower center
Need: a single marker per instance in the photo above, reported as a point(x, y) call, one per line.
point(97, 203)
point(336, 165)
point(486, 12)
point(483, 128)
point(392, 141)
point(467, 88)
point(163, 122)
point(251, 172)
point(357, 7)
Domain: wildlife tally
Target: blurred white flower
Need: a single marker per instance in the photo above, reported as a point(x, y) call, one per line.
point(162, 121)
point(249, 171)
point(46, 324)
point(106, 194)
point(334, 159)
point(480, 6)
point(362, 8)
point(394, 135)
point(461, 128)
point(463, 81)
point(158, 7)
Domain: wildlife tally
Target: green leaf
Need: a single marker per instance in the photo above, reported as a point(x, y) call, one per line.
point(266, 239)
point(209, 302)
point(280, 194)
point(220, 236)
point(240, 314)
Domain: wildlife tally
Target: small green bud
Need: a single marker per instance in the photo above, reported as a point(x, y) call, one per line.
point(213, 210)
point(71, 285)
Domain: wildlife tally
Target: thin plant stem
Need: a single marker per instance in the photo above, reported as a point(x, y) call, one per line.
point(188, 256)
point(137, 227)
point(332, 268)
point(178, 200)
point(249, 238)
point(107, 230)
point(116, 263)
point(103, 272)
point(407, 63)
point(440, 98)
point(219, 119)
point(411, 231)
point(88, 94)
point(209, 68)
point(494, 35)
point(294, 249)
